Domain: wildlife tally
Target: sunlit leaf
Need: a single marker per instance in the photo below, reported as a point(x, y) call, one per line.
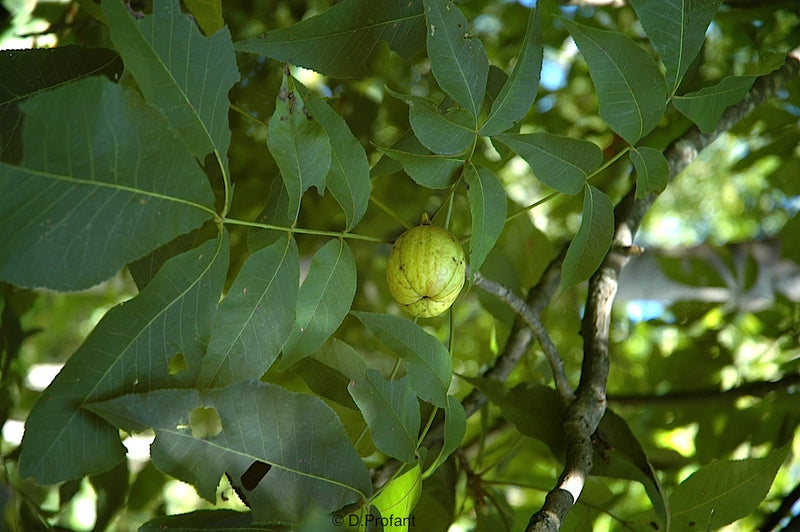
point(722, 492)
point(339, 41)
point(631, 91)
point(392, 413)
point(179, 70)
point(487, 206)
point(299, 145)
point(104, 180)
point(425, 358)
point(590, 245)
point(323, 302)
point(255, 318)
point(652, 170)
point(562, 163)
point(348, 177)
point(313, 464)
point(398, 498)
point(677, 28)
point(519, 90)
point(128, 351)
point(458, 59)
point(705, 107)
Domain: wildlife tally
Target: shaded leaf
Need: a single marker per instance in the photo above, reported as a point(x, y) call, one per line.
point(705, 107)
point(519, 90)
point(458, 60)
point(631, 91)
point(323, 302)
point(339, 41)
point(487, 205)
point(28, 72)
point(348, 178)
point(255, 318)
point(618, 454)
point(722, 492)
point(179, 70)
point(398, 498)
point(562, 163)
point(299, 145)
point(111, 488)
point(329, 371)
point(455, 426)
point(425, 358)
point(432, 171)
point(677, 28)
point(103, 175)
point(129, 350)
point(391, 411)
point(275, 213)
point(652, 170)
point(207, 13)
point(590, 245)
point(219, 520)
point(260, 422)
point(444, 134)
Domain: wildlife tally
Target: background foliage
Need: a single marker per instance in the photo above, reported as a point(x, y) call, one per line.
point(164, 252)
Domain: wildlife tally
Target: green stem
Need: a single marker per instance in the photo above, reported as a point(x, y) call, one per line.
point(303, 231)
point(389, 211)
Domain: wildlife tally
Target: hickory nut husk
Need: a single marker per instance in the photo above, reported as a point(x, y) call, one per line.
point(426, 270)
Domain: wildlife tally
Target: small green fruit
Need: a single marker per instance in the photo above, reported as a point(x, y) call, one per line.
point(426, 270)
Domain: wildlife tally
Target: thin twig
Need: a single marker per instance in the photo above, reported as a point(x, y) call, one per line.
point(531, 319)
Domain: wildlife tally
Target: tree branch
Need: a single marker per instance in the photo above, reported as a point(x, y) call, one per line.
point(755, 389)
point(586, 411)
point(531, 319)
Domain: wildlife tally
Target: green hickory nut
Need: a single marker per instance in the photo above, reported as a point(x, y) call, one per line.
point(426, 270)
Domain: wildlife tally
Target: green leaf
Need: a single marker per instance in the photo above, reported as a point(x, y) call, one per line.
point(562, 163)
point(339, 41)
point(103, 176)
point(398, 498)
point(323, 302)
point(443, 134)
point(618, 454)
point(275, 213)
point(425, 358)
point(677, 28)
point(329, 371)
point(299, 145)
point(310, 461)
point(348, 178)
point(722, 492)
point(589, 247)
point(255, 318)
point(179, 70)
point(391, 411)
point(28, 72)
point(519, 90)
point(705, 107)
point(458, 60)
point(427, 170)
point(455, 426)
point(631, 91)
point(487, 205)
point(536, 412)
point(129, 350)
point(207, 13)
point(652, 170)
point(218, 520)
